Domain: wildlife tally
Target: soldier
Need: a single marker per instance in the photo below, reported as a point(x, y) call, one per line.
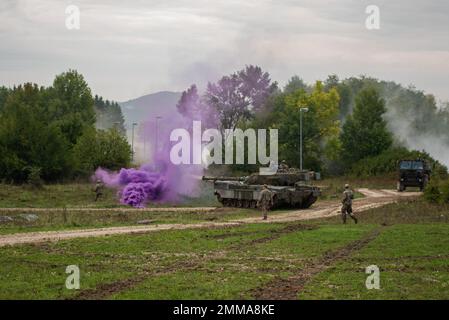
point(283, 167)
point(98, 190)
point(265, 200)
point(348, 195)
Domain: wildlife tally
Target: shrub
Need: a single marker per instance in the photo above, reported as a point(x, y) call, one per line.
point(100, 148)
point(432, 191)
point(34, 177)
point(444, 191)
point(437, 191)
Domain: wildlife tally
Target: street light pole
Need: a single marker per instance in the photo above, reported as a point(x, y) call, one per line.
point(132, 142)
point(157, 132)
point(144, 145)
point(301, 110)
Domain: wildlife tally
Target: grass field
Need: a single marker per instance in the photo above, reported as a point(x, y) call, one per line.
point(321, 259)
point(82, 195)
point(68, 196)
point(71, 220)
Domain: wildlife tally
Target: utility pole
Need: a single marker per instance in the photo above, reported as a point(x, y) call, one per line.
point(157, 133)
point(144, 143)
point(132, 142)
point(301, 110)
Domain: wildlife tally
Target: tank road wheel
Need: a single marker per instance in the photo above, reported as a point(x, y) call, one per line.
point(247, 203)
point(240, 203)
point(312, 200)
point(308, 202)
point(234, 203)
point(253, 204)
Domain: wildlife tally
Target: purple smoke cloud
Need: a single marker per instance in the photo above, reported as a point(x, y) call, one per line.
point(137, 186)
point(231, 99)
point(159, 181)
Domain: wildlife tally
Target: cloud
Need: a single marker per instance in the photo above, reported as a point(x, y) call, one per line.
point(129, 48)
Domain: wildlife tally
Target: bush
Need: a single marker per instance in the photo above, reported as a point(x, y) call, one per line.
point(29, 139)
point(444, 192)
point(437, 191)
point(432, 192)
point(34, 177)
point(99, 148)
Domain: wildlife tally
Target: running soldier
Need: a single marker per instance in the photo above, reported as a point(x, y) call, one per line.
point(265, 201)
point(346, 209)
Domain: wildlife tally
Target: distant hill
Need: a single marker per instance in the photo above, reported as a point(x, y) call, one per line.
point(148, 107)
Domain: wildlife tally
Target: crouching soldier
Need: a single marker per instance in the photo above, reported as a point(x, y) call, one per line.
point(346, 209)
point(265, 201)
point(98, 189)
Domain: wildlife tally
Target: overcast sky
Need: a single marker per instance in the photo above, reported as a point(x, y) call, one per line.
point(129, 48)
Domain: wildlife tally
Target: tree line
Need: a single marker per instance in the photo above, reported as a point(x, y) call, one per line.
point(349, 126)
point(49, 133)
point(63, 132)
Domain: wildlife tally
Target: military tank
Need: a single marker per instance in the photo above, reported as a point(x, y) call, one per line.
point(291, 189)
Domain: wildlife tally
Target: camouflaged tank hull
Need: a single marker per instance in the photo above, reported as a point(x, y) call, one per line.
point(242, 195)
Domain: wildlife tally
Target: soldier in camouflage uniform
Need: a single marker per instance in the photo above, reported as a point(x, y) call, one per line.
point(346, 209)
point(98, 189)
point(283, 167)
point(265, 201)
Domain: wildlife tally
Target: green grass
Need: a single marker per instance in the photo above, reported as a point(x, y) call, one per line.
point(54, 196)
point(72, 220)
point(82, 195)
point(230, 260)
point(412, 252)
point(413, 262)
point(405, 211)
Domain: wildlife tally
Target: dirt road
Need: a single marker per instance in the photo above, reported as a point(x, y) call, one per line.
point(91, 209)
point(373, 199)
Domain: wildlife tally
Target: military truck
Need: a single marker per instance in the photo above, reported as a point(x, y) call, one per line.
point(413, 173)
point(291, 189)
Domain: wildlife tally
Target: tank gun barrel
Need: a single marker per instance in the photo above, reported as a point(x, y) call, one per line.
point(210, 178)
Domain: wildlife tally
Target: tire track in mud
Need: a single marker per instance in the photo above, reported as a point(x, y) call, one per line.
point(288, 289)
point(103, 291)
